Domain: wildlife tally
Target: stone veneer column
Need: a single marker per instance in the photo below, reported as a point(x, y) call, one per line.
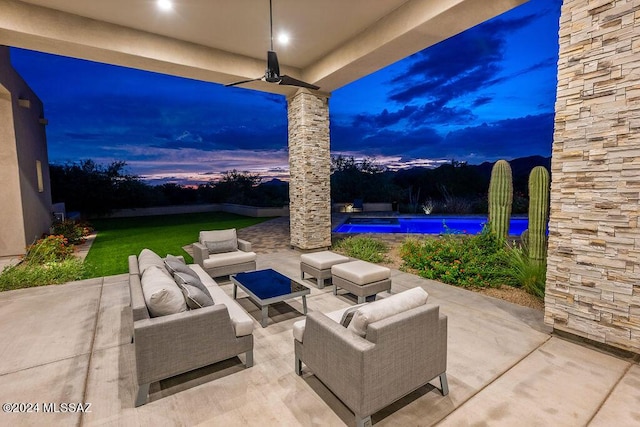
point(593, 270)
point(310, 169)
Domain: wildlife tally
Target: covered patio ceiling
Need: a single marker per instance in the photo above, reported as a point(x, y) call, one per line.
point(333, 42)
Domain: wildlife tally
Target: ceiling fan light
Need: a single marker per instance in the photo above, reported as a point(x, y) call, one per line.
point(165, 5)
point(283, 39)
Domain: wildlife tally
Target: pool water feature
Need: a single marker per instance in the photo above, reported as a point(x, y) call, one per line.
point(425, 225)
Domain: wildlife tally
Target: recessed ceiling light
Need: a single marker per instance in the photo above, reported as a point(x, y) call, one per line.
point(283, 38)
point(165, 5)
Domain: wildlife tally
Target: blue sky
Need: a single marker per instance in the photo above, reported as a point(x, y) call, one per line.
point(482, 95)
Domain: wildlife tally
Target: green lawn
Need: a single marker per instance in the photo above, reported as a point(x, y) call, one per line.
point(118, 238)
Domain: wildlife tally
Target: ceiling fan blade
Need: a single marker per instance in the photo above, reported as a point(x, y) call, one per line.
point(272, 74)
point(290, 81)
point(243, 82)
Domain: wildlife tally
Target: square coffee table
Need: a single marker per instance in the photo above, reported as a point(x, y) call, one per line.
point(266, 287)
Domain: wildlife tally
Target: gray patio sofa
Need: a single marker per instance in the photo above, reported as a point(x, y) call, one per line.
point(221, 253)
point(397, 355)
point(176, 343)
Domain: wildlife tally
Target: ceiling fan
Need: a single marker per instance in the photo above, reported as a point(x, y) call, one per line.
point(272, 73)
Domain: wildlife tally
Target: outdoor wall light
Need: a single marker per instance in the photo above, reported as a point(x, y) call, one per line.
point(39, 177)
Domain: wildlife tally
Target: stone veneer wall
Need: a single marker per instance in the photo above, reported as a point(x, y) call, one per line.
point(310, 169)
point(593, 274)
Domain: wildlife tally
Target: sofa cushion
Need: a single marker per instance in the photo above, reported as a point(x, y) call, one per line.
point(195, 293)
point(161, 294)
point(323, 260)
point(387, 307)
point(361, 272)
point(242, 322)
point(221, 246)
point(228, 258)
point(148, 258)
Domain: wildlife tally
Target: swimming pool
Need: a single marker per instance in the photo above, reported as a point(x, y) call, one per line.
point(425, 225)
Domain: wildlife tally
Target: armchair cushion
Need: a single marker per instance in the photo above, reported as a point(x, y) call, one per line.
point(387, 307)
point(161, 294)
point(215, 235)
point(339, 316)
point(229, 258)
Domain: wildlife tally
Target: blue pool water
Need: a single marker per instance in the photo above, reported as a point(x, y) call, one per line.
point(425, 225)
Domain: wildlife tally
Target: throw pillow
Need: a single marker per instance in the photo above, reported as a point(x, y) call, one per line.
point(174, 258)
point(161, 294)
point(148, 258)
point(386, 307)
point(186, 279)
point(177, 266)
point(347, 316)
point(194, 296)
point(221, 246)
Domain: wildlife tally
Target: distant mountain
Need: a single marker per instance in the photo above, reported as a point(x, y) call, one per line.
point(275, 182)
point(519, 166)
point(520, 169)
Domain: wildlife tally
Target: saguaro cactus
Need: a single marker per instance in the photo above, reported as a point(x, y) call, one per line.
point(500, 198)
point(538, 213)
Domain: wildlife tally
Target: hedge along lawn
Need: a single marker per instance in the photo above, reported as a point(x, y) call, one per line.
point(117, 238)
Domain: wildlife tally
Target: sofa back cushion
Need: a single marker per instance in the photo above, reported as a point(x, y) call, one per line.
point(161, 294)
point(220, 241)
point(387, 307)
point(148, 258)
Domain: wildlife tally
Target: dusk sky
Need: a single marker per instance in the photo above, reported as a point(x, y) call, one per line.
point(482, 95)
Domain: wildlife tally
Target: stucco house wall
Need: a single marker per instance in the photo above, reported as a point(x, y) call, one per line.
point(25, 192)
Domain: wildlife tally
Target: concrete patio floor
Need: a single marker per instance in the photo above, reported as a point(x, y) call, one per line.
point(72, 343)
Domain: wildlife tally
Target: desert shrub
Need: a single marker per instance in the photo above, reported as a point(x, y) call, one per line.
point(27, 275)
point(526, 272)
point(480, 260)
point(49, 261)
point(74, 232)
point(364, 248)
point(49, 249)
point(455, 205)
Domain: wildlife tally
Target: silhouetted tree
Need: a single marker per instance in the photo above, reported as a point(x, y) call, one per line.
point(365, 179)
point(95, 189)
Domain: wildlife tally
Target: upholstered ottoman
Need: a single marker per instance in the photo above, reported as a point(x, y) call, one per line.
point(361, 278)
point(318, 265)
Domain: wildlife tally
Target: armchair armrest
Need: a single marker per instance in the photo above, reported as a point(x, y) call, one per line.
point(200, 253)
point(169, 345)
point(244, 245)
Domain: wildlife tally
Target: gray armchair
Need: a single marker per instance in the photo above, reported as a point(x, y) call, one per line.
point(220, 253)
point(398, 355)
